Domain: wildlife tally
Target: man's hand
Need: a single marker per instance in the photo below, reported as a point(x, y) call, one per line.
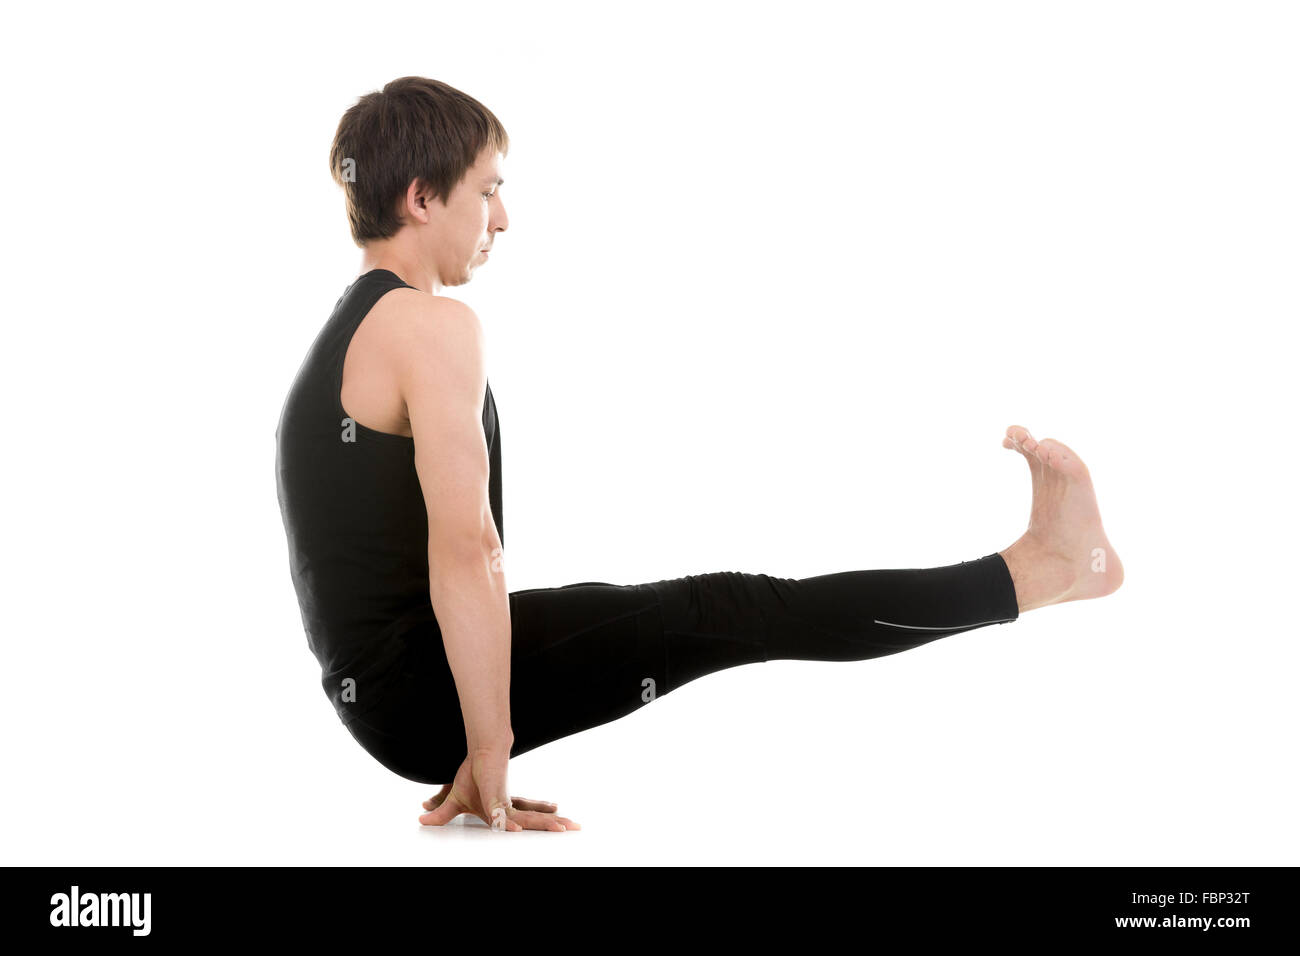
point(480, 789)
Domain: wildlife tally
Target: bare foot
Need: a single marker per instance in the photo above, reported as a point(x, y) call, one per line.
point(1065, 555)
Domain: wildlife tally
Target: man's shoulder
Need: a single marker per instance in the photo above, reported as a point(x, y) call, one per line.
point(412, 322)
point(430, 337)
point(414, 301)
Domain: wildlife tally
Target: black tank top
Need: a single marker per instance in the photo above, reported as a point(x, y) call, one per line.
point(355, 518)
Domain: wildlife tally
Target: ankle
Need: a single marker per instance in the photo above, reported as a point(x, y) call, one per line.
point(1041, 577)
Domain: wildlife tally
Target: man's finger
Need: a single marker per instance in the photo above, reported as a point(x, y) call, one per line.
point(436, 800)
point(532, 820)
point(448, 811)
point(523, 803)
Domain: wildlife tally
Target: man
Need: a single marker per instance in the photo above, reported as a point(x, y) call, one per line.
point(389, 480)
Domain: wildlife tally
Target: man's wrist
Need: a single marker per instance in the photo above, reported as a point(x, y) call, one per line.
point(500, 742)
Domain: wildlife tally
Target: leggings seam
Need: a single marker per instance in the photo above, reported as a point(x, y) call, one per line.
point(948, 627)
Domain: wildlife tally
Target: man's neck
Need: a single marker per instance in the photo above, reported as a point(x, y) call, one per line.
point(403, 264)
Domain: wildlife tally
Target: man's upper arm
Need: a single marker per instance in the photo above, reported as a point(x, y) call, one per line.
point(443, 379)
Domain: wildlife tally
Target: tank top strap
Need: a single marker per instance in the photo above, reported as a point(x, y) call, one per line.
point(353, 306)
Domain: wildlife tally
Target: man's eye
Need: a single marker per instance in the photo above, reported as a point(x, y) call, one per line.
point(488, 195)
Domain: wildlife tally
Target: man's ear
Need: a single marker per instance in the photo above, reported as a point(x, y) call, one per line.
point(419, 196)
point(410, 202)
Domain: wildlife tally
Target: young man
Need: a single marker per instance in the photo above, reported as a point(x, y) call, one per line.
point(388, 472)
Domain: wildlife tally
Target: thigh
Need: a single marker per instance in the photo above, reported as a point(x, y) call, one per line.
point(581, 655)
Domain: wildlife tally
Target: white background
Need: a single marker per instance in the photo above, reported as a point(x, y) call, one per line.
point(777, 279)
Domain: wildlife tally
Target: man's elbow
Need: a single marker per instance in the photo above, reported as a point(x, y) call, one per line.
point(467, 549)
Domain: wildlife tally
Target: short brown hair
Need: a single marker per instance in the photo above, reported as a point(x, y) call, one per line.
point(414, 128)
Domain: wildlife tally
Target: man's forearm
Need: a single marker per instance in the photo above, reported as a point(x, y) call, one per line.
point(469, 596)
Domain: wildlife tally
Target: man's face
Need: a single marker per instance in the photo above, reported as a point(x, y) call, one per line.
point(473, 216)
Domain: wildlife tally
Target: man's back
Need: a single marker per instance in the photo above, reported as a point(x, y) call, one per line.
point(353, 509)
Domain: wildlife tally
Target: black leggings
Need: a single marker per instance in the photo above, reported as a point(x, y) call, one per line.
point(585, 654)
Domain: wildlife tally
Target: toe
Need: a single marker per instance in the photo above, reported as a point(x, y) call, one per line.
point(1064, 450)
point(1066, 461)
